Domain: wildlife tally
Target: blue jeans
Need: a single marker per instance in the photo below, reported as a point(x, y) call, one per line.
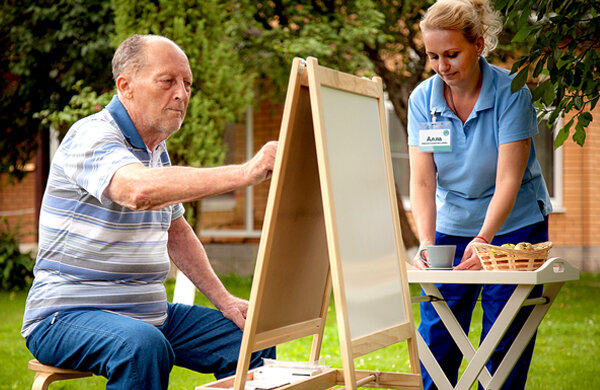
point(135, 355)
point(461, 299)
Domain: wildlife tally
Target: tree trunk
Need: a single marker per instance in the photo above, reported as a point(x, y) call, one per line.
point(408, 236)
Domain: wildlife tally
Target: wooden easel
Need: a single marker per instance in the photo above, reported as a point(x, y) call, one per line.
point(331, 222)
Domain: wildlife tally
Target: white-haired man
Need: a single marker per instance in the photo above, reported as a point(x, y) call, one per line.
point(112, 217)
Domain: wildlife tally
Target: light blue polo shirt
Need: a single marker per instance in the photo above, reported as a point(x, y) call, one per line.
point(466, 176)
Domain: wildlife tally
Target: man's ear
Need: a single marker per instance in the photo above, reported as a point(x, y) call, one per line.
point(124, 87)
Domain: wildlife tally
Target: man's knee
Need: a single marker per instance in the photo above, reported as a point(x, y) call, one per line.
point(144, 343)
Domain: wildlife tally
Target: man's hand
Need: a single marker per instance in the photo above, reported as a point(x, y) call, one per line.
point(235, 309)
point(260, 167)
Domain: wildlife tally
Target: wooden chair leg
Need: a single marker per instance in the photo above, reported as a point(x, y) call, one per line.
point(44, 375)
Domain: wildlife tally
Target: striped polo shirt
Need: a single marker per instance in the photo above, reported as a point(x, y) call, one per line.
point(94, 253)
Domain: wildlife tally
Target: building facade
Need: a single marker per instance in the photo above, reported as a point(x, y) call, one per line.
point(231, 223)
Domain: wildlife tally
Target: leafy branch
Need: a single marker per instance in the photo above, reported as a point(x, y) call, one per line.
point(562, 55)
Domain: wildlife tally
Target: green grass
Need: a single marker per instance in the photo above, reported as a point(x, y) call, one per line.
point(566, 354)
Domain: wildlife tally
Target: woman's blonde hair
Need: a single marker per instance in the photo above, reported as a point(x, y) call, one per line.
point(475, 18)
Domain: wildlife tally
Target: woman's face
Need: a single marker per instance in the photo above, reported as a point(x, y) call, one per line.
point(452, 57)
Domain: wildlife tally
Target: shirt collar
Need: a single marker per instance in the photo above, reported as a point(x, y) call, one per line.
point(119, 113)
point(486, 95)
point(488, 87)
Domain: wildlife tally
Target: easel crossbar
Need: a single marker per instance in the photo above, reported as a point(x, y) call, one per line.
point(373, 342)
point(287, 333)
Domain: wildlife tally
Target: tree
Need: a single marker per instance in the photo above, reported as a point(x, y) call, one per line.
point(562, 51)
point(46, 47)
point(363, 37)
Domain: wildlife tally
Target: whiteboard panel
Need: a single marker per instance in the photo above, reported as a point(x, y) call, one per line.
point(363, 212)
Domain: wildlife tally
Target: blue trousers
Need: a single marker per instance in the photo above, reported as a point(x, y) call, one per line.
point(135, 355)
point(461, 299)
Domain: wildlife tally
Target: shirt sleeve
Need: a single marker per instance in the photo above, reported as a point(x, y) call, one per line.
point(94, 153)
point(518, 120)
point(178, 211)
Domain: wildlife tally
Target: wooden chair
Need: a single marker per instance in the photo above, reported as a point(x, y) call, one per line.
point(44, 375)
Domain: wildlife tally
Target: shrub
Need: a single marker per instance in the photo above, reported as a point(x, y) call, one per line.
point(16, 267)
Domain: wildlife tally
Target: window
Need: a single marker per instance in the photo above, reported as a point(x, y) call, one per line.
point(551, 162)
point(231, 215)
point(226, 201)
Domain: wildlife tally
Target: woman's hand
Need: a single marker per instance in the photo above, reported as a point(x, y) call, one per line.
point(470, 260)
point(417, 261)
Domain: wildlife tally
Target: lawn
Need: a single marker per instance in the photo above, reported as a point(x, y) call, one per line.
point(566, 354)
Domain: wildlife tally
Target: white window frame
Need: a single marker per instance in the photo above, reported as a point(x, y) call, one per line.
point(557, 166)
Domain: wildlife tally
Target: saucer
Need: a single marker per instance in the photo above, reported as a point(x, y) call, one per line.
point(441, 269)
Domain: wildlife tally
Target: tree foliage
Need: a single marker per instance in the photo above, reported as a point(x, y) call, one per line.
point(564, 56)
point(16, 267)
point(46, 46)
point(363, 37)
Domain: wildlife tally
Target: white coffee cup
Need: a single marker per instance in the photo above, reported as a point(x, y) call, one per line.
point(439, 256)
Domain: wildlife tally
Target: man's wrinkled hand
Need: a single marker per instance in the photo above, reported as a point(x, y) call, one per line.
point(236, 310)
point(260, 167)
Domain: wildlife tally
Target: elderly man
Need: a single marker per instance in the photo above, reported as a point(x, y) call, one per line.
point(111, 219)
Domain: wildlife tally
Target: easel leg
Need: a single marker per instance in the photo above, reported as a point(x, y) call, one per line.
point(317, 342)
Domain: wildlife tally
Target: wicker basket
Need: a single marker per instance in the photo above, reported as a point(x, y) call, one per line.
point(495, 258)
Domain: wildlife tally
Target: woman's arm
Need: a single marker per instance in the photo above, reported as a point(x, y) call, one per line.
point(512, 161)
point(422, 197)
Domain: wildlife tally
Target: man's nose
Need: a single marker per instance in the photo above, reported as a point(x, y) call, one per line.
point(182, 91)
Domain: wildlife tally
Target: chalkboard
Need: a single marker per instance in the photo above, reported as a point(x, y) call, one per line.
point(363, 211)
point(331, 223)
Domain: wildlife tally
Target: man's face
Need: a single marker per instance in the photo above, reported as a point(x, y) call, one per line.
point(159, 92)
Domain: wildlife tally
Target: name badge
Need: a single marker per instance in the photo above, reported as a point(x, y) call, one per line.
point(435, 137)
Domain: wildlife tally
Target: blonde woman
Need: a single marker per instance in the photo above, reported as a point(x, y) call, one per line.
point(474, 174)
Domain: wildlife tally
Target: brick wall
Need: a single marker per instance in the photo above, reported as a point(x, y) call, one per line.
point(267, 124)
point(576, 229)
point(579, 224)
point(17, 204)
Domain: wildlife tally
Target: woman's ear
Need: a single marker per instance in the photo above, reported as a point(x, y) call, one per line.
point(479, 45)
